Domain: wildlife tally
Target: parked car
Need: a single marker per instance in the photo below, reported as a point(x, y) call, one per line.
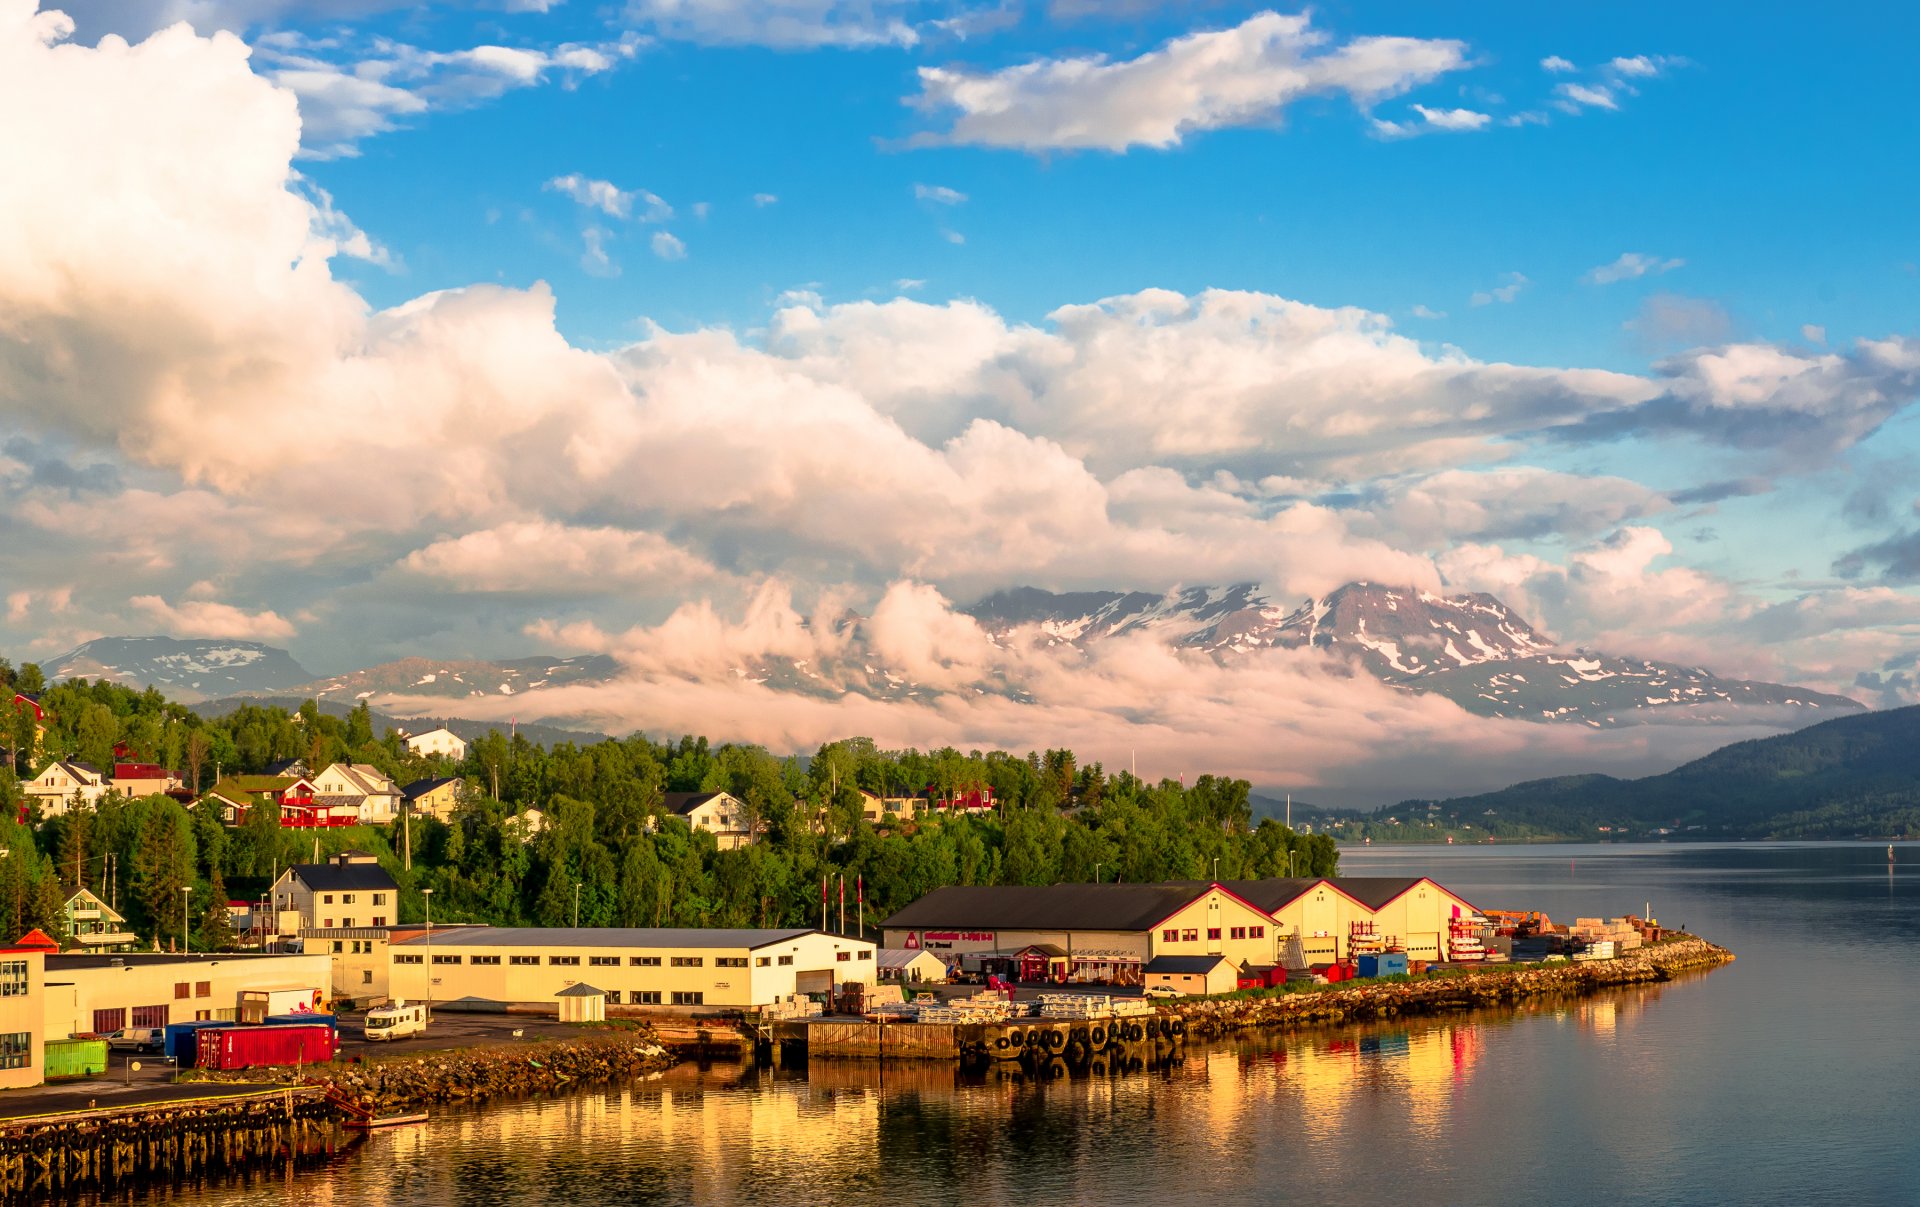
point(395, 1022)
point(1162, 991)
point(136, 1039)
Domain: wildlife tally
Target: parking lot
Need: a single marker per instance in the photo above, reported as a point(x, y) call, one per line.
point(449, 1030)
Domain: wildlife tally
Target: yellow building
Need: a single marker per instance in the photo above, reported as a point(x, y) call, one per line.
point(1083, 932)
point(434, 797)
point(487, 967)
point(23, 1030)
point(93, 994)
point(1327, 913)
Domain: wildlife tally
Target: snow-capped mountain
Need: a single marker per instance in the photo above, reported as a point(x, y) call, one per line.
point(1471, 648)
point(185, 669)
point(458, 679)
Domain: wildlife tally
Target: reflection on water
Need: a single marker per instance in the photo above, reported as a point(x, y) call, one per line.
point(1786, 1077)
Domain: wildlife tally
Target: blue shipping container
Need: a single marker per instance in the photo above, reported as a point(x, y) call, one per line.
point(181, 1042)
point(1389, 963)
point(311, 1018)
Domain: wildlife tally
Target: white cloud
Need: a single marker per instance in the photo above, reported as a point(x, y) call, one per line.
point(1423, 311)
point(668, 246)
point(1453, 119)
point(350, 92)
point(594, 257)
point(544, 557)
point(1506, 291)
point(938, 194)
point(1554, 62)
point(762, 200)
point(1241, 76)
point(610, 199)
point(1639, 65)
point(788, 24)
point(1573, 97)
point(207, 618)
point(1813, 333)
point(1631, 265)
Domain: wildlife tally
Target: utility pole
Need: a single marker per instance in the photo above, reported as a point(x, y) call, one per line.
point(186, 908)
point(428, 894)
point(576, 905)
point(406, 830)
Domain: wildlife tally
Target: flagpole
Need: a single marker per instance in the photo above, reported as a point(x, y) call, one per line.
point(843, 903)
point(860, 895)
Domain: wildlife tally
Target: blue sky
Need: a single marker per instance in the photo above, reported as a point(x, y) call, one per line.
point(483, 329)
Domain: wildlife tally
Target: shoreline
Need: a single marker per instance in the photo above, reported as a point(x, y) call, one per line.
point(1488, 985)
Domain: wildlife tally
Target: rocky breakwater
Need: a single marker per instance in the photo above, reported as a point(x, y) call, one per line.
point(391, 1083)
point(1434, 993)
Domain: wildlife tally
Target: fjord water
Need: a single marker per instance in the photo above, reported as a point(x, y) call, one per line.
point(1789, 1076)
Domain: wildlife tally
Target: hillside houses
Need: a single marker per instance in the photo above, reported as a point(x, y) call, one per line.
point(64, 781)
point(721, 814)
point(435, 797)
point(438, 743)
point(363, 787)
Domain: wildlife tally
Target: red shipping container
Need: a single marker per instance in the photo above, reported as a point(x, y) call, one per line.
point(244, 1047)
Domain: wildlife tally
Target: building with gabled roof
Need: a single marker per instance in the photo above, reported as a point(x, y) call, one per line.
point(435, 796)
point(349, 891)
point(92, 923)
point(375, 797)
point(439, 742)
point(61, 782)
point(721, 814)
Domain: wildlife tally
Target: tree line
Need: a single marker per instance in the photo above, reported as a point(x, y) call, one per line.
point(610, 854)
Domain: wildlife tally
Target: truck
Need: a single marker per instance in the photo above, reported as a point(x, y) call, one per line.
point(258, 1005)
point(229, 1048)
point(396, 1021)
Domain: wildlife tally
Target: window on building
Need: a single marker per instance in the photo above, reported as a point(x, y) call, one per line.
point(446, 959)
point(203, 989)
point(866, 955)
point(13, 978)
point(346, 898)
point(1238, 932)
point(644, 997)
point(339, 946)
point(730, 962)
point(484, 960)
point(523, 961)
point(16, 1050)
point(105, 1022)
point(1213, 932)
point(644, 961)
point(379, 899)
point(326, 923)
point(346, 921)
point(366, 976)
point(1170, 935)
point(689, 999)
point(404, 959)
point(327, 899)
point(149, 1016)
point(1256, 932)
point(569, 961)
point(762, 961)
point(203, 1016)
point(182, 989)
point(843, 956)
point(786, 961)
point(689, 961)
point(1190, 936)
point(604, 961)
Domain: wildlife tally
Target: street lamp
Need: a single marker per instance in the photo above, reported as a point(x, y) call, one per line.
point(185, 898)
point(1096, 873)
point(428, 894)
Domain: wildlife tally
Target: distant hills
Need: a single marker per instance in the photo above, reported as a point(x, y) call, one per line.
point(1852, 777)
point(539, 735)
point(185, 669)
point(1470, 648)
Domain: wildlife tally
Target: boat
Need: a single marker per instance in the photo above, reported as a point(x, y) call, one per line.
point(1463, 942)
point(373, 1122)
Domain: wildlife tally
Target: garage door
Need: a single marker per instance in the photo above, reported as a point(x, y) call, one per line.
point(1424, 947)
point(815, 982)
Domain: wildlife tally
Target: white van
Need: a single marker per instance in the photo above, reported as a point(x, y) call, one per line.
point(396, 1021)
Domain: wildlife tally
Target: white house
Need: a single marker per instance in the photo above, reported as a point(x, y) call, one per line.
point(721, 814)
point(56, 786)
point(441, 743)
point(376, 797)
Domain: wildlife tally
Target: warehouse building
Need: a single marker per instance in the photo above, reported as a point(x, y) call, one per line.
point(1082, 932)
point(1327, 913)
point(490, 967)
point(98, 993)
point(22, 1016)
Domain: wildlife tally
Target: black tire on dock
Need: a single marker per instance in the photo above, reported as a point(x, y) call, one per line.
point(999, 1043)
point(1179, 1026)
point(1015, 1036)
point(1056, 1038)
point(1097, 1036)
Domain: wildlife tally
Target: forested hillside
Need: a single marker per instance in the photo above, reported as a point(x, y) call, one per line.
point(608, 842)
point(1856, 776)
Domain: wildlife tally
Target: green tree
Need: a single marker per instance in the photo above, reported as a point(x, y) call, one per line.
point(215, 932)
point(163, 865)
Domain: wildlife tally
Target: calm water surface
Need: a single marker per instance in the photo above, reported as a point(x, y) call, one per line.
point(1791, 1076)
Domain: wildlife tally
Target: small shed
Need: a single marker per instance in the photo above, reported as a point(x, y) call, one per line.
point(911, 966)
point(1193, 975)
point(582, 1003)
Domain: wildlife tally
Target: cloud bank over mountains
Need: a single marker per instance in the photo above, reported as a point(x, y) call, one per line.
point(208, 431)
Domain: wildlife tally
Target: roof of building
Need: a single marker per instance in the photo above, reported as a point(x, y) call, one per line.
point(1118, 907)
point(36, 940)
point(365, 778)
point(900, 957)
point(610, 936)
point(336, 877)
point(1274, 893)
point(683, 803)
point(76, 960)
point(436, 729)
point(420, 788)
point(287, 767)
point(74, 892)
point(581, 989)
point(1185, 964)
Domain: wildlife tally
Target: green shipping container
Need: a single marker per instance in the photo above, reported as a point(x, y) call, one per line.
point(69, 1058)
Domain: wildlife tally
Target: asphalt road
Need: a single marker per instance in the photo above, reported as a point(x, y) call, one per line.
point(447, 1031)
